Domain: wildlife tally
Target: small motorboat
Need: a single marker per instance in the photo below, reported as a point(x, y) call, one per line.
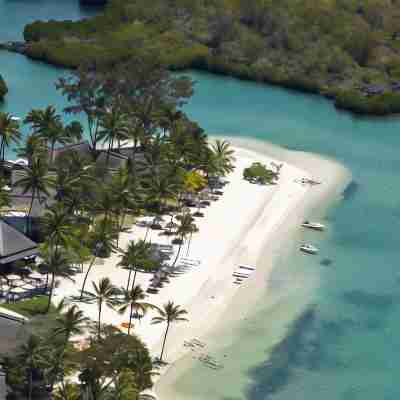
point(313, 225)
point(15, 119)
point(309, 249)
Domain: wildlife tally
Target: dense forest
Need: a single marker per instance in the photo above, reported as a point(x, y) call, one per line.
point(345, 49)
point(3, 88)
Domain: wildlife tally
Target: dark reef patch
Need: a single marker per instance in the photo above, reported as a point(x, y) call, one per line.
point(326, 262)
point(361, 298)
point(300, 346)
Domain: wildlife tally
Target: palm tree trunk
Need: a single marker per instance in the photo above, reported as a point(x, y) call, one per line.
point(1, 150)
point(129, 279)
point(99, 322)
point(108, 154)
point(177, 254)
point(189, 243)
point(130, 319)
point(30, 384)
point(147, 231)
point(52, 151)
point(28, 225)
point(165, 339)
point(86, 276)
point(134, 278)
point(53, 281)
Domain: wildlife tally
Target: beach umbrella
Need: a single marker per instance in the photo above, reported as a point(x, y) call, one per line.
point(13, 277)
point(36, 275)
point(17, 290)
point(5, 288)
point(28, 286)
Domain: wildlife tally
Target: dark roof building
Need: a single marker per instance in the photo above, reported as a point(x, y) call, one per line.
point(14, 245)
point(82, 148)
point(112, 160)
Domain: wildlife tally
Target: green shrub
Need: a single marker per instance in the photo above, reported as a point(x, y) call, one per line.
point(386, 103)
point(259, 173)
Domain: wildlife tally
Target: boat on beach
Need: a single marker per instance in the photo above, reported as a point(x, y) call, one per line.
point(313, 225)
point(309, 249)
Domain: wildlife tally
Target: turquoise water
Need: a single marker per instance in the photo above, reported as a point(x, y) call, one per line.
point(346, 345)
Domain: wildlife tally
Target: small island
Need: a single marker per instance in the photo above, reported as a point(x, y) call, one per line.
point(3, 88)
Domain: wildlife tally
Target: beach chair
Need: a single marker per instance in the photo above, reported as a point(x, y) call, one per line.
point(190, 260)
point(240, 275)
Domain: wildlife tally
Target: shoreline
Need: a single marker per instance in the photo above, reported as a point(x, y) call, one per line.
point(335, 178)
point(237, 229)
point(349, 100)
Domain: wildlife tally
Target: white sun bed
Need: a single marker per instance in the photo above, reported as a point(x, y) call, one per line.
point(247, 267)
point(190, 260)
point(240, 275)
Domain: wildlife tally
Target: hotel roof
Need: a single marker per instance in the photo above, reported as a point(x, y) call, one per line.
point(14, 245)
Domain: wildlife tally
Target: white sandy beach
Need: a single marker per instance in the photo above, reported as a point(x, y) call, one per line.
point(235, 230)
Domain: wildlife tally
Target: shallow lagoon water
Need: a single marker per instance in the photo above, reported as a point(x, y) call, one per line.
point(345, 344)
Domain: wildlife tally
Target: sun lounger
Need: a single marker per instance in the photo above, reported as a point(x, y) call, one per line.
point(240, 275)
point(246, 267)
point(190, 260)
point(188, 264)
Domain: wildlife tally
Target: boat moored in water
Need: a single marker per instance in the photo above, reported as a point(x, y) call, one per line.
point(313, 225)
point(309, 249)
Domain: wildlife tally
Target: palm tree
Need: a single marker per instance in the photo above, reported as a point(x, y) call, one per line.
point(170, 313)
point(163, 187)
point(57, 265)
point(105, 203)
point(33, 149)
point(33, 357)
point(47, 124)
point(114, 127)
point(100, 240)
point(124, 199)
point(57, 225)
point(74, 182)
point(69, 323)
point(137, 254)
point(104, 292)
point(223, 155)
point(9, 133)
point(185, 227)
point(132, 299)
point(35, 181)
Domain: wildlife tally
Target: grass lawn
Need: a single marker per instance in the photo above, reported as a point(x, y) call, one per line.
point(31, 307)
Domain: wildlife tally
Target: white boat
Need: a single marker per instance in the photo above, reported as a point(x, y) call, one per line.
point(16, 119)
point(308, 248)
point(313, 225)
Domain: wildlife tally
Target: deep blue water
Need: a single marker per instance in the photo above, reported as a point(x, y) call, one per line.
point(347, 345)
